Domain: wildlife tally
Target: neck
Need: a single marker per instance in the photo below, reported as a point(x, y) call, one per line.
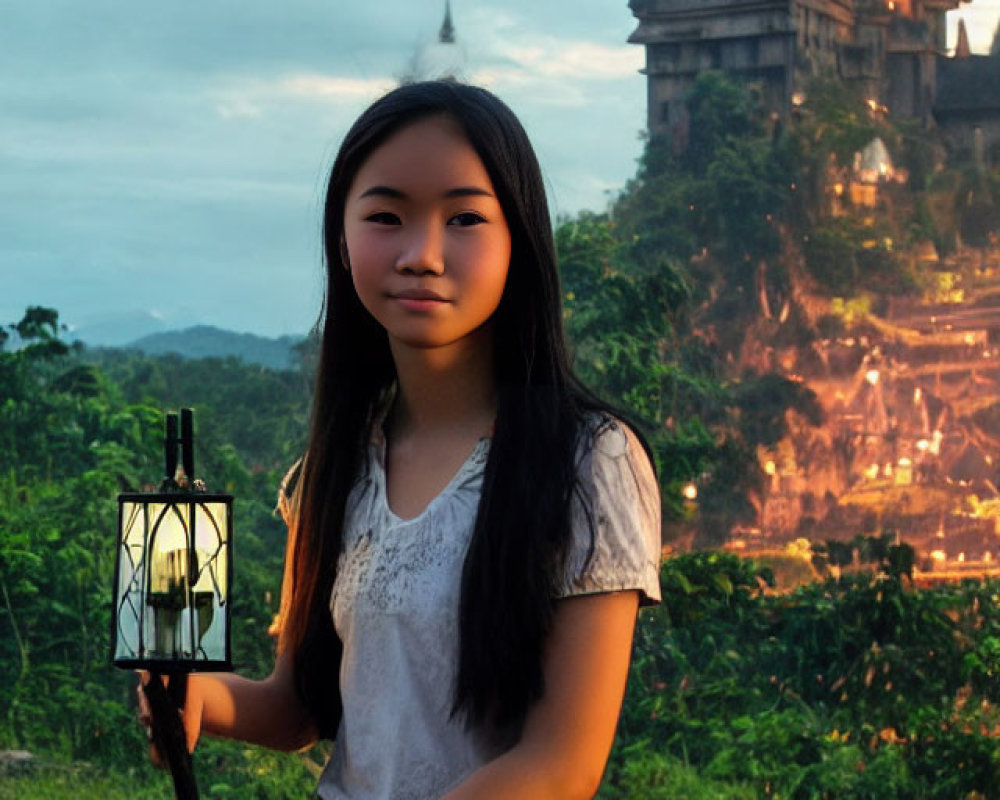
point(445, 388)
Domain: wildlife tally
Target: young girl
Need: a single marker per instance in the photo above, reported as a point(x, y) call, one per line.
point(470, 532)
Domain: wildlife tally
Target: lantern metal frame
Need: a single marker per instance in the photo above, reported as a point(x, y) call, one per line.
point(142, 502)
point(180, 508)
point(174, 511)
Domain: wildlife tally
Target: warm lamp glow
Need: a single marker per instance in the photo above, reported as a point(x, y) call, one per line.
point(690, 491)
point(173, 579)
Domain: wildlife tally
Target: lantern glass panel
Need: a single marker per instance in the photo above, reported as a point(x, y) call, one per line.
point(171, 599)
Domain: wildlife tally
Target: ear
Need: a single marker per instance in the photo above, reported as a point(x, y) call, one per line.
point(345, 258)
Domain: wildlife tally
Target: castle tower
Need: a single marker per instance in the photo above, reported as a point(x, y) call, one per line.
point(916, 46)
point(771, 43)
point(889, 49)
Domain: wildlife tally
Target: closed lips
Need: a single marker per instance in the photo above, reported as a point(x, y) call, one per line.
point(419, 294)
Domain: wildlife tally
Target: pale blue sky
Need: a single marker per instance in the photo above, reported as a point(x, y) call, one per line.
point(164, 163)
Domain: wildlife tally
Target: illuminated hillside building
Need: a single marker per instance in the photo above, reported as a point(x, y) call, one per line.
point(891, 49)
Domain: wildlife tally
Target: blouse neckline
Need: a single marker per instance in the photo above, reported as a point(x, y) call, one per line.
point(468, 466)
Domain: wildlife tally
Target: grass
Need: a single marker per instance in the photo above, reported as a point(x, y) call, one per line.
point(82, 782)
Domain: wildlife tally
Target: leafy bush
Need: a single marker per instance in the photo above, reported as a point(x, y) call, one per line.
point(861, 687)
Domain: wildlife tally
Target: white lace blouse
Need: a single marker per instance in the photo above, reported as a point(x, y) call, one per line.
point(395, 607)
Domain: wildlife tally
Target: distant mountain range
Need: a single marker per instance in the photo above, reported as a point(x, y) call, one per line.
point(206, 341)
point(118, 327)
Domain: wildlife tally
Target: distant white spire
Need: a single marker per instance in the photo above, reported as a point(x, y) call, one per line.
point(442, 58)
point(447, 33)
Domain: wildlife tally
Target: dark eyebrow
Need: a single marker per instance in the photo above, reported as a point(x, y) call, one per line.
point(382, 191)
point(388, 191)
point(468, 191)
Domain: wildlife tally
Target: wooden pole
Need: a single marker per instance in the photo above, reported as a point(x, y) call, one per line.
point(168, 731)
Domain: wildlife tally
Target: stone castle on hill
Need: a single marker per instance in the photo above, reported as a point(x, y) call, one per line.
point(894, 49)
point(911, 438)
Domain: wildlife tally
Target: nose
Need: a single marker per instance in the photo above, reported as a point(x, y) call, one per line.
point(422, 252)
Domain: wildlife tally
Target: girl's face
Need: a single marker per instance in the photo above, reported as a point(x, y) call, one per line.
point(426, 238)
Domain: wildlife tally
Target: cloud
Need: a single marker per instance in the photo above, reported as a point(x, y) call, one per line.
point(517, 55)
point(559, 73)
point(238, 108)
point(151, 148)
point(579, 60)
point(335, 87)
point(251, 98)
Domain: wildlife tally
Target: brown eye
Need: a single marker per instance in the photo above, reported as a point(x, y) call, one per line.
point(383, 218)
point(466, 219)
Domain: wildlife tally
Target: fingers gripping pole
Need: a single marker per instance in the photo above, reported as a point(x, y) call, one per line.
point(168, 731)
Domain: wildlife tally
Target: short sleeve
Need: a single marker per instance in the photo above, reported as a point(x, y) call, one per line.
point(616, 518)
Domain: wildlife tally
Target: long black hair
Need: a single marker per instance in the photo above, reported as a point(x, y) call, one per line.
point(522, 529)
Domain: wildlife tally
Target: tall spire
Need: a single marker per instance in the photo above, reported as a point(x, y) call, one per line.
point(441, 58)
point(962, 49)
point(447, 33)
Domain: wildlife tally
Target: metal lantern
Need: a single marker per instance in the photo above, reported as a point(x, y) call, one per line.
point(173, 574)
point(174, 570)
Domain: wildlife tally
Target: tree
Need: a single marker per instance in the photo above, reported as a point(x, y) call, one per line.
point(71, 438)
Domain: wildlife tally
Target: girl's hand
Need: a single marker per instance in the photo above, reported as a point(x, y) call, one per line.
point(190, 715)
